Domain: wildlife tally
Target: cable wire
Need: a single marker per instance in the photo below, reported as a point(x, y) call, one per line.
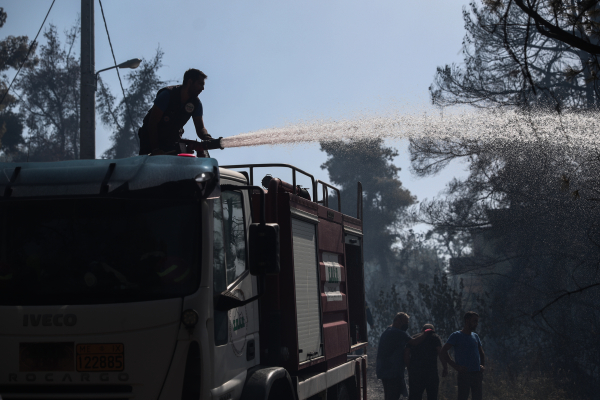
point(118, 74)
point(28, 52)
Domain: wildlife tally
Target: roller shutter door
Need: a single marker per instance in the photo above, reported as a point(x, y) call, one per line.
point(307, 289)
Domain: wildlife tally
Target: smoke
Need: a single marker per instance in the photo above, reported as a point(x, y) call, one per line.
point(570, 129)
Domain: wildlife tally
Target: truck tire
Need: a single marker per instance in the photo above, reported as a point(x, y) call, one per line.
point(281, 391)
point(268, 383)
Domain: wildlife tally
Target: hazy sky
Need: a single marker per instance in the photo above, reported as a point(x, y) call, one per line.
point(273, 62)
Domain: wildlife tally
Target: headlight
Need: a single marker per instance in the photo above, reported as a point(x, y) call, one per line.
point(204, 177)
point(208, 183)
point(189, 318)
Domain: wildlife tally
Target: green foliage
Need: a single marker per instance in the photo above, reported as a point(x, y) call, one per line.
point(446, 303)
point(13, 50)
point(385, 200)
point(126, 118)
point(50, 100)
point(531, 243)
point(507, 62)
point(534, 247)
point(443, 304)
point(11, 132)
point(418, 260)
point(49, 105)
point(384, 310)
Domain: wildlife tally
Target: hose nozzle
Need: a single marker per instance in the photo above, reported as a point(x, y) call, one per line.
point(210, 144)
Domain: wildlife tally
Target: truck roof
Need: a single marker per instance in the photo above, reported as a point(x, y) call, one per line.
point(92, 177)
point(231, 174)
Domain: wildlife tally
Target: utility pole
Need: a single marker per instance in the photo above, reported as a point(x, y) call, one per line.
point(87, 105)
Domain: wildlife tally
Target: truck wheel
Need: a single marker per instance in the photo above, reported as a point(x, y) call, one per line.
point(281, 391)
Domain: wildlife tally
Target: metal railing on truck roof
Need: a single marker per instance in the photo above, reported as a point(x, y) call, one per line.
point(325, 200)
point(315, 185)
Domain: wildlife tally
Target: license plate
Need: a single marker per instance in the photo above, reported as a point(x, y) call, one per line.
point(56, 356)
point(99, 357)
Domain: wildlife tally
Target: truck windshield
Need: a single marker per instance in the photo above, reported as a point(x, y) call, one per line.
point(91, 251)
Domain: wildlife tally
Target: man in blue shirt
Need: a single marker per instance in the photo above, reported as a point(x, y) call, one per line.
point(469, 358)
point(390, 356)
point(172, 109)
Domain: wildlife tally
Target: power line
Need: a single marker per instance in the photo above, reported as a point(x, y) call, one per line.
point(118, 74)
point(28, 52)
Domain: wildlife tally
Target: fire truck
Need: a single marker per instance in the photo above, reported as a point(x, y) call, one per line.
point(171, 277)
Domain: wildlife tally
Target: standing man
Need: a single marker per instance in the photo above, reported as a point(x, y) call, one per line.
point(369, 315)
point(469, 358)
point(172, 109)
point(390, 356)
point(421, 361)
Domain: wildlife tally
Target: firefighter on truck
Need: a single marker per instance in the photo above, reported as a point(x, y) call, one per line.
point(174, 105)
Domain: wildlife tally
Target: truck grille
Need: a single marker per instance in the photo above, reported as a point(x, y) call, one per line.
point(66, 392)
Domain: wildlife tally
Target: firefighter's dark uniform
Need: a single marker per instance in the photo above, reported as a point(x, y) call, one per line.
point(170, 127)
point(423, 369)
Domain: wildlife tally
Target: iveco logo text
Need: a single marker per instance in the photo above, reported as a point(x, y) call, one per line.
point(49, 319)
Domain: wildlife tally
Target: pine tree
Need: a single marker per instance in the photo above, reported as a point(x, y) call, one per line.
point(385, 200)
point(50, 100)
point(509, 60)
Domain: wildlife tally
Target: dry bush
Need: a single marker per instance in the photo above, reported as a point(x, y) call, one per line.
point(501, 384)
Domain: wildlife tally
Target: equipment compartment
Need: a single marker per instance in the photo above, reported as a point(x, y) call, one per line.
point(308, 321)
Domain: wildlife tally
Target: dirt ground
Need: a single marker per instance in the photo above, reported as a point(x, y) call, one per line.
point(374, 386)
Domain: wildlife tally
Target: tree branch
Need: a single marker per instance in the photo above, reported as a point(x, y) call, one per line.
point(556, 300)
point(552, 31)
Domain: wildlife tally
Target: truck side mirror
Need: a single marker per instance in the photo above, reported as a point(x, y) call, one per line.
point(264, 249)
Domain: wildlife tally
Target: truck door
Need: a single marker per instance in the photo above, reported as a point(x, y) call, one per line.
point(236, 330)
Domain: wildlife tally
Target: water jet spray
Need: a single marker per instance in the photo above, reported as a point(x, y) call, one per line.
point(571, 129)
